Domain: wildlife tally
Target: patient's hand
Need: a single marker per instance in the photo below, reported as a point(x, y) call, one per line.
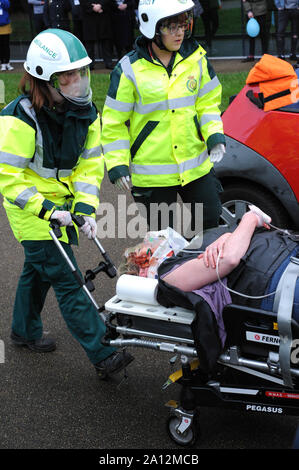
point(212, 251)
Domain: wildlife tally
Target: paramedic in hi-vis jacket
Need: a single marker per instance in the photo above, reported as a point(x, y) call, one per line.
point(51, 165)
point(161, 119)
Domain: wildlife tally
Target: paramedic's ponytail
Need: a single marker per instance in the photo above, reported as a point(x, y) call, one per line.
point(37, 90)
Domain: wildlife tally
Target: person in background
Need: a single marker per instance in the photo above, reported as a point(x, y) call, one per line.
point(288, 11)
point(5, 32)
point(51, 167)
point(97, 30)
point(169, 93)
point(257, 10)
point(56, 14)
point(38, 15)
point(122, 23)
point(77, 19)
point(272, 18)
point(210, 19)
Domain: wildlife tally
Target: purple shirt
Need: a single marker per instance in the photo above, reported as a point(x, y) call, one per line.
point(217, 296)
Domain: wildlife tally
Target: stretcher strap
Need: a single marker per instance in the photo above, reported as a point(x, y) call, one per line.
point(283, 305)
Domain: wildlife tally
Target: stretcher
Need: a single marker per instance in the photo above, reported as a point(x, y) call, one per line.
point(257, 370)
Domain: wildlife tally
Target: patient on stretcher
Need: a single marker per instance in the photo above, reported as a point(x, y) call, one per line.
point(251, 261)
point(232, 250)
point(230, 247)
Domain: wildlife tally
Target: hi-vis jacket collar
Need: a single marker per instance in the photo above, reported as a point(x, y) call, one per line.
point(187, 48)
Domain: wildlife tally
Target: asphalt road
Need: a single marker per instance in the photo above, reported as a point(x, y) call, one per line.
point(55, 401)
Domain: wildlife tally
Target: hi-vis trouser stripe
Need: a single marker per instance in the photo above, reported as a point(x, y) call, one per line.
point(140, 108)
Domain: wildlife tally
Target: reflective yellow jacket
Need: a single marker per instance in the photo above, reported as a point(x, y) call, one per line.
point(48, 161)
point(173, 115)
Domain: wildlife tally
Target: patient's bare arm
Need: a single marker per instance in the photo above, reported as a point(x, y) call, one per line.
point(201, 271)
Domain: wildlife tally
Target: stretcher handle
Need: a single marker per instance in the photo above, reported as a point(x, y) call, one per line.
point(108, 267)
point(55, 226)
point(80, 221)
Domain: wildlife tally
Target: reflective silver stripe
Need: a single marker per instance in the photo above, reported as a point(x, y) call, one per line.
point(116, 145)
point(118, 105)
point(205, 118)
point(14, 160)
point(129, 73)
point(140, 108)
point(211, 85)
point(170, 169)
point(87, 188)
point(194, 162)
point(64, 173)
point(174, 103)
point(22, 199)
point(37, 163)
point(93, 152)
point(43, 172)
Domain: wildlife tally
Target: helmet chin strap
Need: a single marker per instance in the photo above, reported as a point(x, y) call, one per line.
point(159, 43)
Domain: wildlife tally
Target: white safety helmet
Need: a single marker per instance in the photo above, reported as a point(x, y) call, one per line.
point(150, 12)
point(54, 51)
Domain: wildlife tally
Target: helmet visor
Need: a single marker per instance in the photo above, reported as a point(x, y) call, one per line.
point(174, 24)
point(73, 85)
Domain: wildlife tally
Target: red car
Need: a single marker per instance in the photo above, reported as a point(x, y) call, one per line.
point(261, 164)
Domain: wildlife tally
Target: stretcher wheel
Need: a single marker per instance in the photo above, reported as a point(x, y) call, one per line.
point(189, 437)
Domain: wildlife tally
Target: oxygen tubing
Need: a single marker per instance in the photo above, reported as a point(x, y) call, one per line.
point(239, 293)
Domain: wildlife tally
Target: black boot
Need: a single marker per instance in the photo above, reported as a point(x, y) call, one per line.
point(44, 344)
point(114, 363)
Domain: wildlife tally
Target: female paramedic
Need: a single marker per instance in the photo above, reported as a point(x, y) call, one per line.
point(51, 165)
point(168, 93)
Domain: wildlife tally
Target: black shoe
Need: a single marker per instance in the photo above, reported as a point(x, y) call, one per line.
point(114, 363)
point(248, 59)
point(293, 57)
point(44, 344)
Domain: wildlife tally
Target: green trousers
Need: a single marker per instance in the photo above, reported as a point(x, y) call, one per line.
point(45, 267)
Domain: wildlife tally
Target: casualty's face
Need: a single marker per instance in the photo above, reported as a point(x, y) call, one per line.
point(73, 85)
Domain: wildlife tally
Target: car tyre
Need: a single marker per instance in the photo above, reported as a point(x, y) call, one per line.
point(237, 197)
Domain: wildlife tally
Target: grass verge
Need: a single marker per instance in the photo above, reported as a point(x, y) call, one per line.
point(232, 83)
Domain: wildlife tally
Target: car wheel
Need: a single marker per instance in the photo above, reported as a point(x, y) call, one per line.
point(237, 197)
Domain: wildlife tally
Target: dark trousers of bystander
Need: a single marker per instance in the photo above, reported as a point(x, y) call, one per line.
point(4, 48)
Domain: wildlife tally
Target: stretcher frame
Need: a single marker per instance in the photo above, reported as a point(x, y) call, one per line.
point(273, 376)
